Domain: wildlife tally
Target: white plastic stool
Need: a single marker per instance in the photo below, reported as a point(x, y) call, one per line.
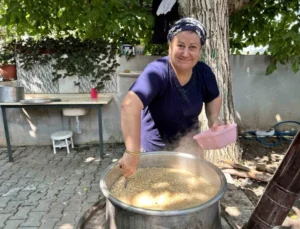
point(62, 138)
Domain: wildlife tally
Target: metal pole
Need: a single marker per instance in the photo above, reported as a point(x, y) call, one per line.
point(10, 158)
point(100, 131)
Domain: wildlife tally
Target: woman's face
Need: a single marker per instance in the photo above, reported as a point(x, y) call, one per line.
point(184, 50)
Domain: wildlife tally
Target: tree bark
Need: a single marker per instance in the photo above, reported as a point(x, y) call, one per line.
point(214, 15)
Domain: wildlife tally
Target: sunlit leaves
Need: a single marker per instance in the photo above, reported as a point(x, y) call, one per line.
point(112, 20)
point(275, 24)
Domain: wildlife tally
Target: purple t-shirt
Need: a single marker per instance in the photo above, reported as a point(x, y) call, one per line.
point(171, 110)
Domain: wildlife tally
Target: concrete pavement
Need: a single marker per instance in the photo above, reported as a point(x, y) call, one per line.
point(43, 190)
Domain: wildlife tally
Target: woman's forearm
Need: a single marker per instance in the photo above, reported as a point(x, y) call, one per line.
point(131, 121)
point(212, 110)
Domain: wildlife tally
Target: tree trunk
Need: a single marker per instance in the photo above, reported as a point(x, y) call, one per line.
point(214, 15)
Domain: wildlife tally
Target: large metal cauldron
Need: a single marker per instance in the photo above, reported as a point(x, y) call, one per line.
point(205, 216)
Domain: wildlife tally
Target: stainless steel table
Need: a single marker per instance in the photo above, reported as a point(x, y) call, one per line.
point(67, 102)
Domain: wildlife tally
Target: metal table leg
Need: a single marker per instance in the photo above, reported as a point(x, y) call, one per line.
point(10, 158)
point(100, 131)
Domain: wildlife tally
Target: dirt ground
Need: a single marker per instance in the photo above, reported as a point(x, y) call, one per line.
point(254, 152)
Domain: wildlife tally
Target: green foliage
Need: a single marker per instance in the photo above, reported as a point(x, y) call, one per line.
point(7, 54)
point(69, 56)
point(78, 34)
point(275, 24)
point(7, 58)
point(261, 23)
point(114, 20)
point(94, 58)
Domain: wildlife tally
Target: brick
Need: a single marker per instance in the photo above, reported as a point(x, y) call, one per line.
point(84, 184)
point(4, 201)
point(52, 193)
point(12, 224)
point(23, 195)
point(5, 167)
point(93, 198)
point(4, 188)
point(31, 173)
point(69, 188)
point(43, 188)
point(28, 227)
point(24, 181)
point(59, 206)
point(13, 191)
point(63, 197)
point(49, 179)
point(11, 207)
point(52, 214)
point(34, 219)
point(30, 187)
point(3, 218)
point(6, 175)
point(34, 198)
point(73, 182)
point(49, 223)
point(69, 217)
point(44, 205)
point(76, 200)
point(73, 207)
point(22, 212)
point(59, 184)
point(2, 180)
point(15, 177)
point(95, 187)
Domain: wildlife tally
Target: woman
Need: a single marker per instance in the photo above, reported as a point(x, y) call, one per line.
point(164, 103)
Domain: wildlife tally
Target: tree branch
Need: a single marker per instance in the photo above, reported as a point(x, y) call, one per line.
point(236, 5)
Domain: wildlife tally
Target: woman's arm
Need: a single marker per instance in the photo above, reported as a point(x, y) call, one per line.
point(141, 93)
point(212, 110)
point(131, 121)
point(131, 128)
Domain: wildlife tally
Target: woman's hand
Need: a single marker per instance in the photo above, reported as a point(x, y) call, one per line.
point(128, 164)
point(213, 124)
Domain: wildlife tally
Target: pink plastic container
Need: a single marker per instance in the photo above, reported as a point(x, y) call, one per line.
point(220, 137)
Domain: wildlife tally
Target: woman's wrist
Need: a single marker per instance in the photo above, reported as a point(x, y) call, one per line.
point(134, 153)
point(214, 121)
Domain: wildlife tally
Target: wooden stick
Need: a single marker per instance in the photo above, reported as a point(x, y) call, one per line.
point(266, 168)
point(237, 166)
point(223, 166)
point(253, 174)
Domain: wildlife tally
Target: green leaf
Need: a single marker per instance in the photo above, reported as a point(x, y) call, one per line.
point(295, 66)
point(271, 68)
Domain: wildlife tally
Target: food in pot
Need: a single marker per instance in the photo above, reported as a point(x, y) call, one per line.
point(164, 189)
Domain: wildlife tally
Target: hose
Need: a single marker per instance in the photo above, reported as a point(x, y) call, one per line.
point(275, 133)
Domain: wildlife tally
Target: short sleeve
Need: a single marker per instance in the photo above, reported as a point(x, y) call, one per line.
point(210, 84)
point(148, 84)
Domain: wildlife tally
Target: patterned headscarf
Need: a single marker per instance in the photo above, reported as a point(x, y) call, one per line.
point(188, 24)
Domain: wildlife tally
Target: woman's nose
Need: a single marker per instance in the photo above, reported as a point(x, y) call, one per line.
point(185, 52)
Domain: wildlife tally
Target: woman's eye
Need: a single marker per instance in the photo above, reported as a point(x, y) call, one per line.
point(180, 46)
